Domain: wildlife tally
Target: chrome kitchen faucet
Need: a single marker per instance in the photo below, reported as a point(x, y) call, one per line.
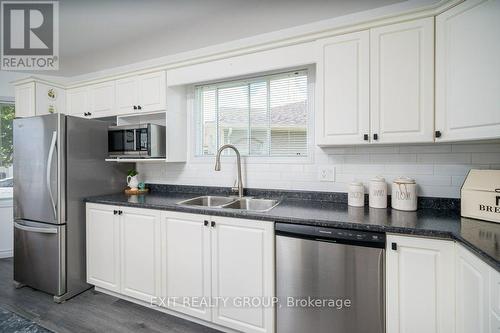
point(238, 160)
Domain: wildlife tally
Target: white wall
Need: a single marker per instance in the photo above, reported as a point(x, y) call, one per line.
point(438, 168)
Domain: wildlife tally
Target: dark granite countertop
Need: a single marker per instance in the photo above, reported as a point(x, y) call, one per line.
point(481, 237)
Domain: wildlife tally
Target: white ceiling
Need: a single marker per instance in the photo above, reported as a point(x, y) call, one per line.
point(100, 34)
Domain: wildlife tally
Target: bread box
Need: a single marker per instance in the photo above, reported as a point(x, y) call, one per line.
point(481, 195)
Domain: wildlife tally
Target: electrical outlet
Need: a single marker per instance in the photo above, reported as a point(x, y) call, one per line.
point(326, 174)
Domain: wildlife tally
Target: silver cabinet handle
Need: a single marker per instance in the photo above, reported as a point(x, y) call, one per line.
point(49, 169)
point(35, 229)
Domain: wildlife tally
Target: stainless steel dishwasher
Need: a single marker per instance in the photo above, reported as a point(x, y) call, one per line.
point(329, 280)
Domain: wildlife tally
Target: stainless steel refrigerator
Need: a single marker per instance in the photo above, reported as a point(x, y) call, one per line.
point(58, 161)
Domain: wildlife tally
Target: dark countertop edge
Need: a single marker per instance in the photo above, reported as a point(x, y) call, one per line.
point(436, 234)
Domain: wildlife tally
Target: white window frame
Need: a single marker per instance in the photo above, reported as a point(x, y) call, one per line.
point(192, 120)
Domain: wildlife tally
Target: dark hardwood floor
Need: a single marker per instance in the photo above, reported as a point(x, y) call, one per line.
point(88, 312)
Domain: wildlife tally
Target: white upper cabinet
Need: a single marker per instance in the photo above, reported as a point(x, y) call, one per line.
point(126, 95)
point(343, 90)
point(419, 285)
point(102, 98)
point(130, 95)
point(141, 93)
point(25, 100)
point(49, 99)
point(38, 98)
point(140, 252)
point(152, 91)
point(468, 71)
point(402, 82)
point(377, 85)
point(77, 102)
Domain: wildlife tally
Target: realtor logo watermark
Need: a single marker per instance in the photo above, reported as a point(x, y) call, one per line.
point(30, 35)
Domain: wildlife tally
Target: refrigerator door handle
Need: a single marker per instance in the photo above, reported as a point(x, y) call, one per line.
point(35, 229)
point(49, 171)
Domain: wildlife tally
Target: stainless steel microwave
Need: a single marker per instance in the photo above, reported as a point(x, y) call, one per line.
point(136, 141)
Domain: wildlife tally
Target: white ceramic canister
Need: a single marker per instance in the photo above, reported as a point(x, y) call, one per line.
point(404, 194)
point(378, 193)
point(356, 194)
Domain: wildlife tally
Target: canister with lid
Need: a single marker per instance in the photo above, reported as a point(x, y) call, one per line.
point(356, 194)
point(378, 193)
point(404, 194)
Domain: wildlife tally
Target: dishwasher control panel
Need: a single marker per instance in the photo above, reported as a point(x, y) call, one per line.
point(334, 235)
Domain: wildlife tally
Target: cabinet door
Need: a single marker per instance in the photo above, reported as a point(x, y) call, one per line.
point(152, 91)
point(126, 95)
point(25, 100)
point(420, 293)
point(140, 253)
point(102, 98)
point(46, 104)
point(494, 301)
point(343, 114)
point(468, 71)
point(77, 102)
point(402, 82)
point(186, 262)
point(6, 229)
point(243, 266)
point(103, 250)
point(472, 298)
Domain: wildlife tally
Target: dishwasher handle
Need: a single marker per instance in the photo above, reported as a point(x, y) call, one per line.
point(332, 235)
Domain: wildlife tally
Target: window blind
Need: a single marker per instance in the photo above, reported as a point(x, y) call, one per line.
point(263, 116)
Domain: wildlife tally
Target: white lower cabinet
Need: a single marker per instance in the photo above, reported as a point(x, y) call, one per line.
point(243, 266)
point(478, 295)
point(211, 267)
point(186, 262)
point(140, 252)
point(123, 250)
point(420, 291)
point(103, 249)
point(494, 301)
point(191, 262)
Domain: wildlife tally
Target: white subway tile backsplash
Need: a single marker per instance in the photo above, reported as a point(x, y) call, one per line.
point(458, 180)
point(438, 168)
point(476, 148)
point(451, 158)
point(377, 150)
point(486, 158)
point(351, 159)
point(393, 158)
point(365, 169)
point(456, 170)
point(439, 191)
point(434, 149)
point(412, 169)
point(433, 180)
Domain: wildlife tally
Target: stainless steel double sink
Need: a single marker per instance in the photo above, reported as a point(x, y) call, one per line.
point(249, 204)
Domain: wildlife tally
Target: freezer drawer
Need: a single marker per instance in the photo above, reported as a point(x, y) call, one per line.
point(39, 252)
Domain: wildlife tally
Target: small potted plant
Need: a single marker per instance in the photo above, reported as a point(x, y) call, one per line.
point(132, 180)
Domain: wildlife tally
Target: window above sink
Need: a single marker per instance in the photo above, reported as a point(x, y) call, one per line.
point(264, 116)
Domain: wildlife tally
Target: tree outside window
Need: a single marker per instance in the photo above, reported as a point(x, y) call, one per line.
point(7, 114)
